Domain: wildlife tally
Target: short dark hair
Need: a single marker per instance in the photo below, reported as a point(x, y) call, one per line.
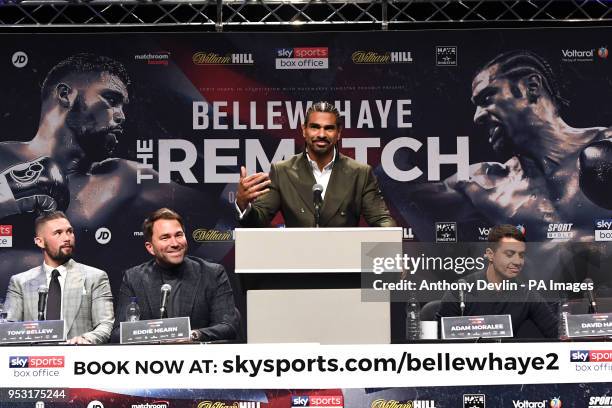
point(84, 63)
point(324, 107)
point(46, 217)
point(504, 231)
point(161, 214)
point(518, 64)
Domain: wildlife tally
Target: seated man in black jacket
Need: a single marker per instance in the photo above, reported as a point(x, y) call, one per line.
point(200, 289)
point(506, 256)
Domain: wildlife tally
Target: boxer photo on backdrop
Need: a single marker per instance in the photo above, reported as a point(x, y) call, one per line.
point(197, 288)
point(69, 165)
point(319, 187)
point(78, 294)
point(553, 173)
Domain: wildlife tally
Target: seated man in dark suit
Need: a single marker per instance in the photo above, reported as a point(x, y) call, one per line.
point(348, 188)
point(200, 289)
point(506, 256)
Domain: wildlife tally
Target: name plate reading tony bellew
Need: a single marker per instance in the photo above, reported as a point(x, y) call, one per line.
point(32, 332)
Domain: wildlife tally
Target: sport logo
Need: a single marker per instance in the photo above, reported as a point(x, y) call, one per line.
point(474, 401)
point(603, 229)
point(446, 232)
point(302, 58)
point(6, 236)
point(446, 56)
point(36, 362)
point(560, 231)
point(600, 402)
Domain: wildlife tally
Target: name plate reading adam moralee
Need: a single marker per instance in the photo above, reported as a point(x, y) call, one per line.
point(144, 331)
point(32, 332)
point(475, 327)
point(588, 325)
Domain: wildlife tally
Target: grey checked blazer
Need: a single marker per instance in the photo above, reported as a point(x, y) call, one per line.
point(87, 302)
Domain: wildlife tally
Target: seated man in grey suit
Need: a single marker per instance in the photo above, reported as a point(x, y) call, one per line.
point(199, 289)
point(348, 188)
point(78, 294)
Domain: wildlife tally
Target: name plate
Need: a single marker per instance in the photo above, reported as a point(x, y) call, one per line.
point(589, 325)
point(43, 331)
point(144, 331)
point(475, 327)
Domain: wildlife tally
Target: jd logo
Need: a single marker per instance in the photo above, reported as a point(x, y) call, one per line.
point(20, 59)
point(103, 235)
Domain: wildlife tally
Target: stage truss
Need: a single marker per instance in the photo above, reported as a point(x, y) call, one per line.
point(230, 15)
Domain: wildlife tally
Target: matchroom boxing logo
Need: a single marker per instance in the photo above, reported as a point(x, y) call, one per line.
point(6, 236)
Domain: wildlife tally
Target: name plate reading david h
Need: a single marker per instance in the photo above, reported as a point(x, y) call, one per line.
point(476, 327)
point(145, 331)
point(589, 325)
point(32, 332)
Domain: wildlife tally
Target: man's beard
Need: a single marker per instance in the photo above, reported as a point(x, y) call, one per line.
point(58, 256)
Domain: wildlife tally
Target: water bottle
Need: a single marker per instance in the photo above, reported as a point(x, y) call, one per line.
point(564, 311)
point(133, 310)
point(413, 319)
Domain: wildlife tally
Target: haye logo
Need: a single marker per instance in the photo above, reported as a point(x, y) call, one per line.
point(19, 59)
point(103, 235)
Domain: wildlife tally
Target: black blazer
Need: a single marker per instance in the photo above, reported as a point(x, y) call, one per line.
point(206, 298)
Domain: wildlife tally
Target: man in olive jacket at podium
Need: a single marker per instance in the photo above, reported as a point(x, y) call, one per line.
point(347, 188)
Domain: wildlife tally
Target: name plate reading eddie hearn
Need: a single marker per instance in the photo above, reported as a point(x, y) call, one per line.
point(475, 327)
point(32, 332)
point(144, 331)
point(588, 325)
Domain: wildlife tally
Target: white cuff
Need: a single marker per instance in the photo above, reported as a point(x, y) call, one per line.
point(241, 213)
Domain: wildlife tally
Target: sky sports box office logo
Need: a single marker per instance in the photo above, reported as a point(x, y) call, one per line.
point(603, 229)
point(319, 401)
point(591, 356)
point(302, 58)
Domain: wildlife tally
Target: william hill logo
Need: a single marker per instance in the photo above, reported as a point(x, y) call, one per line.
point(381, 403)
point(212, 58)
point(385, 57)
point(207, 235)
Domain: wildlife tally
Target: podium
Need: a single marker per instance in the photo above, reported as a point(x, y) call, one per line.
point(304, 284)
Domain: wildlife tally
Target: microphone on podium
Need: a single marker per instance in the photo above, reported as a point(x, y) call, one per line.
point(317, 198)
point(590, 295)
point(461, 282)
point(42, 301)
point(165, 292)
